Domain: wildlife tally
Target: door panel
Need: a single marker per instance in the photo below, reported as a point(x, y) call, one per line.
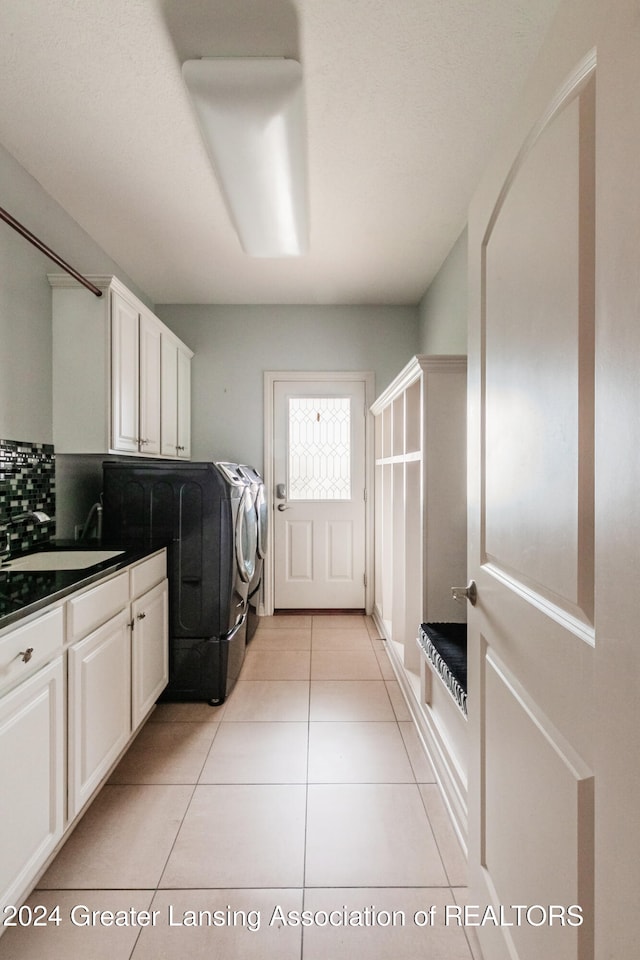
point(538, 508)
point(319, 516)
point(299, 536)
point(339, 542)
point(531, 635)
point(537, 847)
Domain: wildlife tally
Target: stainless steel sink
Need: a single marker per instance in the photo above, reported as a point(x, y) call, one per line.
point(60, 560)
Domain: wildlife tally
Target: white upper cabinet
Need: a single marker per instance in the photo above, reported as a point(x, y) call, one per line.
point(169, 352)
point(150, 378)
point(176, 398)
point(184, 401)
point(121, 378)
point(125, 367)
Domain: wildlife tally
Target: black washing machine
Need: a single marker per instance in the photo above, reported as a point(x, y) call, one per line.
point(201, 512)
point(261, 521)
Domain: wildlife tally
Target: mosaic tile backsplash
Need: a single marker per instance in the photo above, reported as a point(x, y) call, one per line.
point(27, 482)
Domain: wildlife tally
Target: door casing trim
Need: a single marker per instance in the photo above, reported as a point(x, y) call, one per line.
point(271, 377)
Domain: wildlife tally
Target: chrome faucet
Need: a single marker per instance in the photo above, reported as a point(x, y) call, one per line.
point(39, 516)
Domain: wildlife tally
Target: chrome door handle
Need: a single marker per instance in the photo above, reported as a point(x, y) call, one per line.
point(282, 506)
point(470, 593)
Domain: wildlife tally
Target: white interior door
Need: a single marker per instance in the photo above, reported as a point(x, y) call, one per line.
point(617, 669)
point(532, 548)
point(554, 516)
point(319, 494)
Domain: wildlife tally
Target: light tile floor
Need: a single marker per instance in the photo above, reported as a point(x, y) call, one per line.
point(308, 790)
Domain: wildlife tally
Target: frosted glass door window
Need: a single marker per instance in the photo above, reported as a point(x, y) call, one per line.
point(319, 448)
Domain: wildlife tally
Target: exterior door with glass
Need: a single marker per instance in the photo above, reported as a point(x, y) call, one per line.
point(319, 494)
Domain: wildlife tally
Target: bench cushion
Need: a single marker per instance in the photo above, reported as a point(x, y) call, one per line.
point(445, 646)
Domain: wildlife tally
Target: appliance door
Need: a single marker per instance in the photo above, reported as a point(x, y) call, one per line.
point(246, 537)
point(253, 478)
point(262, 512)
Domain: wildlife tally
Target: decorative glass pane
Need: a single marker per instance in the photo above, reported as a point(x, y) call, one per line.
point(319, 448)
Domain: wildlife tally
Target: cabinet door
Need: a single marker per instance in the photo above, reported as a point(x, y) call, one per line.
point(169, 402)
point(150, 650)
point(32, 764)
point(125, 360)
point(149, 384)
point(184, 404)
point(176, 400)
point(99, 706)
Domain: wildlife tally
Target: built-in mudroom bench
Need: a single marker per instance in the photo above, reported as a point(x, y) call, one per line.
point(420, 554)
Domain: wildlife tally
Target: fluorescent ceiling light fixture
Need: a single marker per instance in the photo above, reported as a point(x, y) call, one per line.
point(251, 115)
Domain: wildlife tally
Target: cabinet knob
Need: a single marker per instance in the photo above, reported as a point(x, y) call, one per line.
point(26, 654)
point(141, 616)
point(143, 442)
point(179, 448)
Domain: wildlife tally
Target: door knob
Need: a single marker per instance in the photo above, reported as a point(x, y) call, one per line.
point(282, 506)
point(470, 593)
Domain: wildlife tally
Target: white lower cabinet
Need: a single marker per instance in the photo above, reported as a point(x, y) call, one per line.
point(149, 650)
point(32, 799)
point(99, 671)
point(65, 725)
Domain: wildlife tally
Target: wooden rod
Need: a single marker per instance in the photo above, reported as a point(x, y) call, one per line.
point(22, 230)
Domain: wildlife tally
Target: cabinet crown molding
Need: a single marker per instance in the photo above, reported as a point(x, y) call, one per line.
point(410, 373)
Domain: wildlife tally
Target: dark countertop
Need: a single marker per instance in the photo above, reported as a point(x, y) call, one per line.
point(25, 592)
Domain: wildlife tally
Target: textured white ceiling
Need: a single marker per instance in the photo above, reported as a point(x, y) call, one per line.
point(404, 98)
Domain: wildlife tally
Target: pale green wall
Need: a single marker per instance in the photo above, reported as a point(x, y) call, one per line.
point(443, 309)
point(234, 345)
point(25, 299)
